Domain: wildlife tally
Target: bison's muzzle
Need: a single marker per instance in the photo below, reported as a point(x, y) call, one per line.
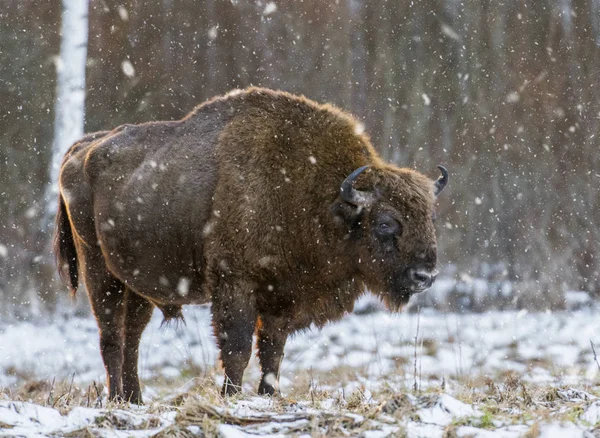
point(421, 279)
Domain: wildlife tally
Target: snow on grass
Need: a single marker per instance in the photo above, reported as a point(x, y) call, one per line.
point(18, 415)
point(592, 413)
point(495, 374)
point(445, 410)
point(32, 420)
point(561, 431)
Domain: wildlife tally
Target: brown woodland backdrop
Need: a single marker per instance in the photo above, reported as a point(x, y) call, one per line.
point(505, 94)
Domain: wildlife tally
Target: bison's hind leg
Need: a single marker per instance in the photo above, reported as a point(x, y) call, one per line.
point(122, 316)
point(137, 316)
point(107, 299)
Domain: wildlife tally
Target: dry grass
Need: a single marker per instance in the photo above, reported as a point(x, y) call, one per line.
point(62, 395)
point(533, 432)
point(513, 401)
point(316, 404)
point(284, 417)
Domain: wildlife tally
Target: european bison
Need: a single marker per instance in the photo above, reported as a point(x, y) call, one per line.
point(274, 208)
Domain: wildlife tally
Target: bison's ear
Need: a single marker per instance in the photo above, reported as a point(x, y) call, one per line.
point(441, 181)
point(347, 214)
point(352, 203)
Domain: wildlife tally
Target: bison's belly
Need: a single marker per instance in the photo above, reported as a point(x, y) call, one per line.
point(160, 261)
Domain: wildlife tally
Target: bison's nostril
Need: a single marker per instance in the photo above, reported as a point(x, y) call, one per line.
point(423, 278)
point(420, 276)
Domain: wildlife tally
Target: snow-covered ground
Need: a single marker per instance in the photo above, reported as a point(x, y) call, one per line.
point(373, 374)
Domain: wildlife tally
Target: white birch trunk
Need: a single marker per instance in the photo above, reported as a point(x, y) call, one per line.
point(69, 108)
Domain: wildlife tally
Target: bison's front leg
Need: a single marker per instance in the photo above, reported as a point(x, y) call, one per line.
point(234, 318)
point(272, 334)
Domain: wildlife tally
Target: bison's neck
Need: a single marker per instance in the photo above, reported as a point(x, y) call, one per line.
point(279, 173)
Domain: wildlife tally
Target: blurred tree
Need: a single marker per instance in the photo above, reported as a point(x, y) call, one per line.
point(28, 39)
point(70, 92)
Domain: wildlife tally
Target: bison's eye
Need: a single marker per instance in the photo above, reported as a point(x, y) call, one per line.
point(387, 226)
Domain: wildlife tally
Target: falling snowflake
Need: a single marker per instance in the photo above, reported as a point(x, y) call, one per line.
point(270, 8)
point(127, 68)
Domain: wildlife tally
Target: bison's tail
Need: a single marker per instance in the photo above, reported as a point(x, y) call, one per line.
point(64, 249)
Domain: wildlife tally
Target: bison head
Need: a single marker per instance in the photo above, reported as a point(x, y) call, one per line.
point(390, 229)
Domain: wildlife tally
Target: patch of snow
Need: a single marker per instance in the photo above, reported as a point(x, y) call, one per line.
point(591, 415)
point(563, 355)
point(80, 417)
point(445, 410)
point(420, 430)
point(22, 415)
point(31, 420)
point(577, 300)
point(566, 430)
point(377, 343)
point(516, 431)
point(575, 395)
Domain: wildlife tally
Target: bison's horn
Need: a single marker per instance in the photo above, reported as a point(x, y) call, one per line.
point(350, 194)
point(441, 181)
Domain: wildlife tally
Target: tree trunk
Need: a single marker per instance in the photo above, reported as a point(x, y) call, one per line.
point(70, 92)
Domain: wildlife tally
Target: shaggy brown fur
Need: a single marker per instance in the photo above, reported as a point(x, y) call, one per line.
point(237, 204)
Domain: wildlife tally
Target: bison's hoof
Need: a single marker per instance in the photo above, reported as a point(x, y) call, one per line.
point(267, 389)
point(230, 389)
point(135, 399)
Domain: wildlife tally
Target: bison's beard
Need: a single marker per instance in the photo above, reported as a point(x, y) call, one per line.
point(398, 292)
point(395, 301)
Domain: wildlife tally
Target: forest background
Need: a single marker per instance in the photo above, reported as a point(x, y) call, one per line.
point(503, 93)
